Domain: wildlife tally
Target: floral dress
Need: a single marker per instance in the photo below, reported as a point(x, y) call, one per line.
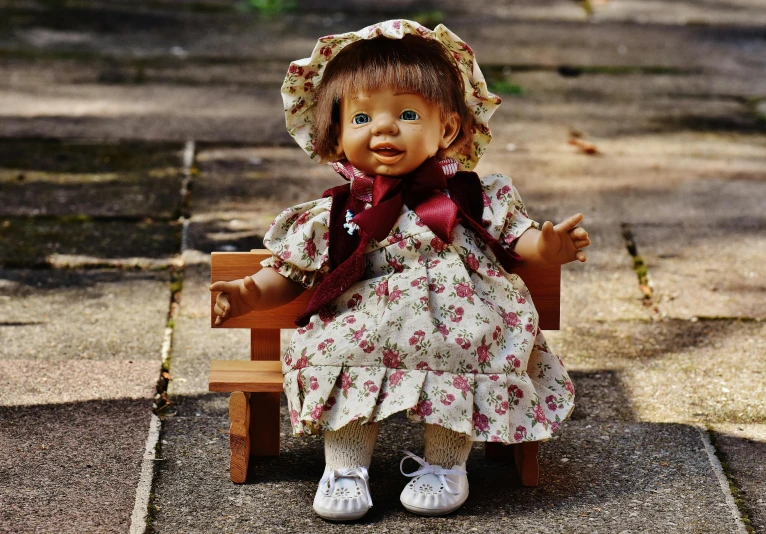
point(437, 329)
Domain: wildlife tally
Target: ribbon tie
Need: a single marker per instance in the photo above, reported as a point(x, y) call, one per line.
point(331, 476)
point(421, 191)
point(428, 469)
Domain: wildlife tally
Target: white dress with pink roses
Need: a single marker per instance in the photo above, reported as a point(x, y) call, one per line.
point(436, 329)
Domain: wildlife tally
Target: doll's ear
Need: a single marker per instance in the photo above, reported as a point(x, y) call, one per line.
point(450, 130)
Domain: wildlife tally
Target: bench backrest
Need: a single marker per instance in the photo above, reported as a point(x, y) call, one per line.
point(544, 285)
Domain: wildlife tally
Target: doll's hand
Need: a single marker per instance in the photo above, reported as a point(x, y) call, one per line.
point(235, 298)
point(564, 242)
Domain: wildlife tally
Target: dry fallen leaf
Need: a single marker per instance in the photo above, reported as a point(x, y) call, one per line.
point(584, 146)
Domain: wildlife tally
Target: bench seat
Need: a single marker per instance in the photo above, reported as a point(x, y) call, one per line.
point(243, 375)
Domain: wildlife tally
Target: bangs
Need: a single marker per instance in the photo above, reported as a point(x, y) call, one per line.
point(393, 70)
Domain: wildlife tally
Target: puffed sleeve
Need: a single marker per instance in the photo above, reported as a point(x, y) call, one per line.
point(504, 210)
point(298, 241)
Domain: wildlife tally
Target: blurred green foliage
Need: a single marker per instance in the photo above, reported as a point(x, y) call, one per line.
point(269, 8)
point(504, 87)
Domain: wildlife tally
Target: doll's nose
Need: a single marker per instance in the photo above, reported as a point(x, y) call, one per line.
point(384, 124)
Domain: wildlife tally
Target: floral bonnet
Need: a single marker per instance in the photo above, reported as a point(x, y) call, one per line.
point(304, 75)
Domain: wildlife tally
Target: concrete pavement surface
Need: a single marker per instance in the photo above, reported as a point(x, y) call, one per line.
point(138, 137)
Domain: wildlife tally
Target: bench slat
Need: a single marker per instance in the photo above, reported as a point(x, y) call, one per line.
point(244, 375)
point(543, 284)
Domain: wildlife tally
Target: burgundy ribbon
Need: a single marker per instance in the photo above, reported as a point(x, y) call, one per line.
point(421, 192)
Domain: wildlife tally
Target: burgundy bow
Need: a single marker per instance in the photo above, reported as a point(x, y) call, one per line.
point(421, 191)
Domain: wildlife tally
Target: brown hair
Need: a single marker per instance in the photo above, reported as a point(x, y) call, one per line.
point(412, 63)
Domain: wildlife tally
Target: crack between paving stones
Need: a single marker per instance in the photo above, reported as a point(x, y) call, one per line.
point(732, 492)
point(145, 511)
point(144, 494)
point(645, 284)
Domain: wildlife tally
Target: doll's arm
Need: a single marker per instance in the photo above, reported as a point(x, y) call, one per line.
point(554, 244)
point(264, 290)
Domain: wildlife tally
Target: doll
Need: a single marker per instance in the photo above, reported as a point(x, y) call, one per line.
point(414, 308)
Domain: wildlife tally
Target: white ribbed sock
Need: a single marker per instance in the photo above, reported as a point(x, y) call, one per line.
point(446, 447)
point(351, 446)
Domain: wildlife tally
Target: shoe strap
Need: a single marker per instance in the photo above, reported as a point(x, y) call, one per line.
point(451, 486)
point(331, 475)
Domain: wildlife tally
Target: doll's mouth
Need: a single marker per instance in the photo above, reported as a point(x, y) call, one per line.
point(387, 154)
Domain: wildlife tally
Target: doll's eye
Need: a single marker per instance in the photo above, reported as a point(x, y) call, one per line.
point(409, 115)
point(361, 118)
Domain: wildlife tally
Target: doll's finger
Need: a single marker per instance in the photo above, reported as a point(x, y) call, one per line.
point(222, 305)
point(568, 224)
point(217, 286)
point(222, 301)
point(578, 233)
point(249, 283)
point(223, 287)
point(547, 229)
point(581, 243)
point(581, 256)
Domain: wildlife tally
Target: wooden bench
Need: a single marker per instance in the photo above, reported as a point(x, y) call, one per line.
point(255, 385)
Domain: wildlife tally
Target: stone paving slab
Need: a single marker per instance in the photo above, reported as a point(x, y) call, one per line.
point(33, 382)
point(85, 241)
point(39, 70)
point(155, 113)
point(98, 180)
point(239, 191)
point(628, 83)
point(243, 179)
point(230, 231)
point(71, 468)
point(705, 372)
point(743, 448)
point(623, 120)
point(595, 477)
point(95, 315)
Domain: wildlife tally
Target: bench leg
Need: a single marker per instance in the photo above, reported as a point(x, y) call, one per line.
point(239, 435)
point(264, 424)
point(524, 455)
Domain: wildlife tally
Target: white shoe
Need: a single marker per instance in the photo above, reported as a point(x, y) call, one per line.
point(433, 489)
point(343, 494)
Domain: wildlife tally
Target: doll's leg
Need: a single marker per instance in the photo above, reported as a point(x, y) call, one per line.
point(443, 485)
point(344, 491)
point(351, 446)
point(446, 447)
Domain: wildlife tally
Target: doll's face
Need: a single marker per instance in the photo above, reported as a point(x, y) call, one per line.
point(391, 133)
